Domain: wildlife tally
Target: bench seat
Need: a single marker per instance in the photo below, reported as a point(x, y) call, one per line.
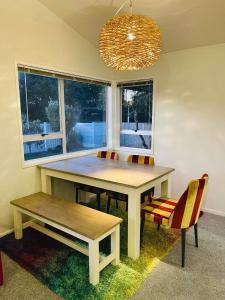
point(77, 220)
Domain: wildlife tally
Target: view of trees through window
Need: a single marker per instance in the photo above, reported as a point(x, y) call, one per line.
point(84, 103)
point(38, 97)
point(136, 123)
point(42, 113)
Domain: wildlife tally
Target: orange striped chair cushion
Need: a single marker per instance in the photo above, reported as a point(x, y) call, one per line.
point(108, 155)
point(159, 210)
point(188, 209)
point(141, 159)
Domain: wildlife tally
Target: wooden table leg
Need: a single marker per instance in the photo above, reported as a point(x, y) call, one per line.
point(166, 187)
point(134, 224)
point(94, 262)
point(18, 225)
point(46, 182)
point(115, 245)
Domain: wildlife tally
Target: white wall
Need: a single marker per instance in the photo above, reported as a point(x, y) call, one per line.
point(189, 92)
point(31, 34)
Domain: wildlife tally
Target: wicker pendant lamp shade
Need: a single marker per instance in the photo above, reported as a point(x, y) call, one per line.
point(130, 42)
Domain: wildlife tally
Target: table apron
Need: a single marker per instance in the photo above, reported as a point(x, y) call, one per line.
point(103, 184)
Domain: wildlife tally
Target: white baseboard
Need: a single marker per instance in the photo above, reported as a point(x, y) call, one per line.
point(214, 212)
point(10, 230)
point(5, 232)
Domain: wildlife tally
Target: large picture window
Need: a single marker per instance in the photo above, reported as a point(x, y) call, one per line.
point(61, 114)
point(136, 114)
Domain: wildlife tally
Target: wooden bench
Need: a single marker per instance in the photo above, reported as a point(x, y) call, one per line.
point(79, 221)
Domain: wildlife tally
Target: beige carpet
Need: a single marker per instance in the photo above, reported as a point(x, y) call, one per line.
point(204, 274)
point(202, 278)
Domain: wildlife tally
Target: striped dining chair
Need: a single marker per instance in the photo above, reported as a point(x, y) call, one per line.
point(95, 190)
point(134, 159)
point(108, 155)
point(179, 214)
point(1, 271)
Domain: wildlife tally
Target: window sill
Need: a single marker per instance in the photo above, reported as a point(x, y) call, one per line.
point(45, 160)
point(134, 150)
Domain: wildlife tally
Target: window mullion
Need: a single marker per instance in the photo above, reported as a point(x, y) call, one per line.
point(116, 111)
point(27, 107)
point(62, 113)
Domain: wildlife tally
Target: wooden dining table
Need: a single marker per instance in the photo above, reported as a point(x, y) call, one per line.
point(119, 176)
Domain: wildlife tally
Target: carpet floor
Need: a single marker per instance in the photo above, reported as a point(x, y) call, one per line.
point(202, 278)
point(65, 271)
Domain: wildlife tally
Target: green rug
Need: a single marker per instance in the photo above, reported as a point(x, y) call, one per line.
point(65, 271)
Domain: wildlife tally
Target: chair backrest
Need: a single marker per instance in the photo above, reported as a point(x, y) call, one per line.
point(188, 208)
point(108, 155)
point(141, 159)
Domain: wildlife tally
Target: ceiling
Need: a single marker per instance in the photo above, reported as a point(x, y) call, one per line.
point(184, 23)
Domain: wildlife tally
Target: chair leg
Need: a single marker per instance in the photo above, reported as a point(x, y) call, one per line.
point(99, 201)
point(152, 191)
point(108, 204)
point(77, 195)
point(126, 205)
point(183, 241)
point(1, 271)
point(142, 229)
point(117, 204)
point(158, 226)
point(196, 234)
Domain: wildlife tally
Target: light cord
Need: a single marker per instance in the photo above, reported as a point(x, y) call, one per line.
point(125, 2)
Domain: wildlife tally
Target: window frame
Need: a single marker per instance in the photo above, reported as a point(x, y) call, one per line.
point(62, 133)
point(119, 130)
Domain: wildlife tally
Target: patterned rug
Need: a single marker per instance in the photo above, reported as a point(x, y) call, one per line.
point(65, 271)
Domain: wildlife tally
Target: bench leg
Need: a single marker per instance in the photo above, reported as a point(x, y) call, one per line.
point(18, 225)
point(94, 262)
point(115, 245)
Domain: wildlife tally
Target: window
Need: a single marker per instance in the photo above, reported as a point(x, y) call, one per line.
point(136, 114)
point(61, 114)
